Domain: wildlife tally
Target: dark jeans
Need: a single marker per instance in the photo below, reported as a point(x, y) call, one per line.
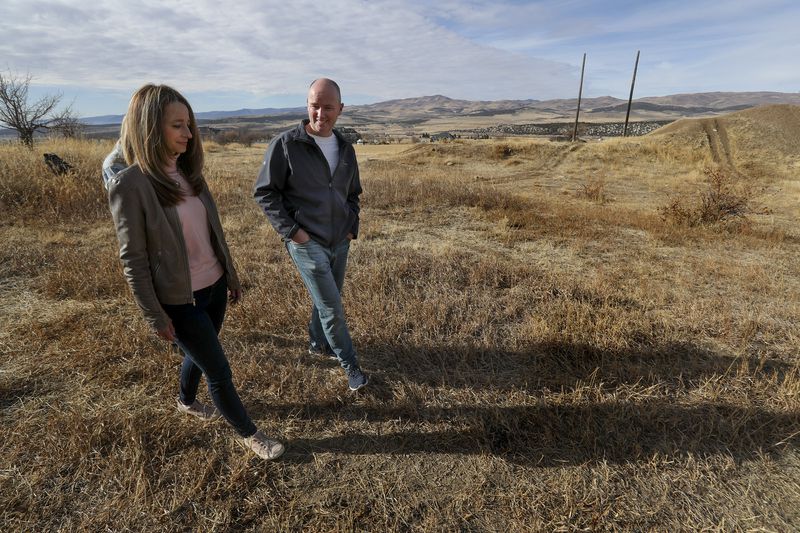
point(197, 327)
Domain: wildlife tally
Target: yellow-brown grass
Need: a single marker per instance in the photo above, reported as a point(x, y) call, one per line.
point(539, 360)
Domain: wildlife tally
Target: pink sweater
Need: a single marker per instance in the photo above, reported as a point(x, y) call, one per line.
point(204, 267)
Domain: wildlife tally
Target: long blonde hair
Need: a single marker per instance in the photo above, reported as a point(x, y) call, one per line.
point(143, 144)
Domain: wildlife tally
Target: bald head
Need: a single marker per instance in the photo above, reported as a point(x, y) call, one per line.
point(326, 83)
point(324, 107)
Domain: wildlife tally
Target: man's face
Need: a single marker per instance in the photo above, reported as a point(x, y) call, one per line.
point(324, 108)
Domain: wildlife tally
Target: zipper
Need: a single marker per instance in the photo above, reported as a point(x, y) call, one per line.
point(341, 149)
point(330, 175)
point(330, 188)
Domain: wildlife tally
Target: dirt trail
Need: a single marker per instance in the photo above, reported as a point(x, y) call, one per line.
point(718, 142)
point(544, 167)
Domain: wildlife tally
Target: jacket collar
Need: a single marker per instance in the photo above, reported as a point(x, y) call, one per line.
point(299, 133)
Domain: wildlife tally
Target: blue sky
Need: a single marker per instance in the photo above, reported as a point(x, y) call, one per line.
point(264, 53)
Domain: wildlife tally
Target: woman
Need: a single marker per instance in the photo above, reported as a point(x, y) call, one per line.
point(174, 253)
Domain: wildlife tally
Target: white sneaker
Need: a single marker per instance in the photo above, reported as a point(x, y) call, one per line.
point(264, 447)
point(200, 410)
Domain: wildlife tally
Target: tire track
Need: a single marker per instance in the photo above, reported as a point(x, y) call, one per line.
point(718, 142)
point(722, 132)
point(547, 166)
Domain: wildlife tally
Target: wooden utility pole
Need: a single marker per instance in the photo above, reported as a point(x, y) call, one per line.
point(580, 92)
point(630, 98)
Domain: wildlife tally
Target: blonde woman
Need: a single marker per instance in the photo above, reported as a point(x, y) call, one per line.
point(174, 253)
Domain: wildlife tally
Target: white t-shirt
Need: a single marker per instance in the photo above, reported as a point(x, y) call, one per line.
point(330, 149)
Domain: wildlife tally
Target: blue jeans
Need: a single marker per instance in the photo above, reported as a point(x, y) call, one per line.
point(322, 270)
point(197, 328)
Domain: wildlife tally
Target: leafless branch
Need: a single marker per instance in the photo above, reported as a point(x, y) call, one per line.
point(26, 118)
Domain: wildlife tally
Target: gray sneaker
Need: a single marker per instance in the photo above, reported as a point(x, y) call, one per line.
point(264, 447)
point(200, 410)
point(356, 378)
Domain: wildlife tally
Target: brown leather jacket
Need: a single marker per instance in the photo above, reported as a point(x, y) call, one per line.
point(152, 248)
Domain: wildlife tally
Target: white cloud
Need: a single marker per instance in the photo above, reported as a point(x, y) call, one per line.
point(476, 49)
point(265, 47)
point(723, 45)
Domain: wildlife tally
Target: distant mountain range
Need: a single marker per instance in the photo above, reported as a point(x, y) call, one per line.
point(207, 115)
point(421, 108)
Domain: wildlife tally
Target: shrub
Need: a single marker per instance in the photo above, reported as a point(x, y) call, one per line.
point(30, 190)
point(724, 199)
point(502, 151)
point(594, 190)
point(244, 136)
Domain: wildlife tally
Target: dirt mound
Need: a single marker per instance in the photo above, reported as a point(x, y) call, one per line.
point(770, 131)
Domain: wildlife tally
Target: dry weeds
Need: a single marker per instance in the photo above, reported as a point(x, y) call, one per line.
point(539, 362)
point(725, 200)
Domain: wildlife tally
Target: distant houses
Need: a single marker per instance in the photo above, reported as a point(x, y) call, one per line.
point(350, 134)
point(442, 136)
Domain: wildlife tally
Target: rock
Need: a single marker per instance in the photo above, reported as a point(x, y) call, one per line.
point(57, 165)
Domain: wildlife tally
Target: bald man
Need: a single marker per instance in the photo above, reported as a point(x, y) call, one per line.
point(308, 187)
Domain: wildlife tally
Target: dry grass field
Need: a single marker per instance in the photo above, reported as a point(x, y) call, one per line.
point(561, 337)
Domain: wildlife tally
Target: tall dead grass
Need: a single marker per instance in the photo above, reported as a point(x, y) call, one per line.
point(537, 362)
point(30, 190)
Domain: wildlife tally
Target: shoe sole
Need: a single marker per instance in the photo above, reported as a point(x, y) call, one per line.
point(283, 449)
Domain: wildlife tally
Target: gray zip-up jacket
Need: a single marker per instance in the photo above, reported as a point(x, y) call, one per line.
point(296, 189)
point(152, 248)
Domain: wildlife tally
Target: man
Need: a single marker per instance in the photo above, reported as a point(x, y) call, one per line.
point(308, 187)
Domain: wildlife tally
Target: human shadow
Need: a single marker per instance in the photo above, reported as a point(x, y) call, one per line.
point(14, 390)
point(548, 435)
point(558, 365)
point(275, 341)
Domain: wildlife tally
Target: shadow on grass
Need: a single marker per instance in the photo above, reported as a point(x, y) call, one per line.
point(565, 435)
point(549, 435)
point(15, 391)
point(556, 366)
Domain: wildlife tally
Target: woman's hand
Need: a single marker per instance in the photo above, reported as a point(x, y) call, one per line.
point(234, 295)
point(167, 333)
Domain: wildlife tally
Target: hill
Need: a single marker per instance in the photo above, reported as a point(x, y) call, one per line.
point(205, 115)
point(754, 136)
point(722, 100)
point(426, 108)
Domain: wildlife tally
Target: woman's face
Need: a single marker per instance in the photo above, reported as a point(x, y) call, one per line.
point(175, 128)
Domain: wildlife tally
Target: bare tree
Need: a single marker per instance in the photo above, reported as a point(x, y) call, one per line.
point(67, 124)
point(27, 118)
